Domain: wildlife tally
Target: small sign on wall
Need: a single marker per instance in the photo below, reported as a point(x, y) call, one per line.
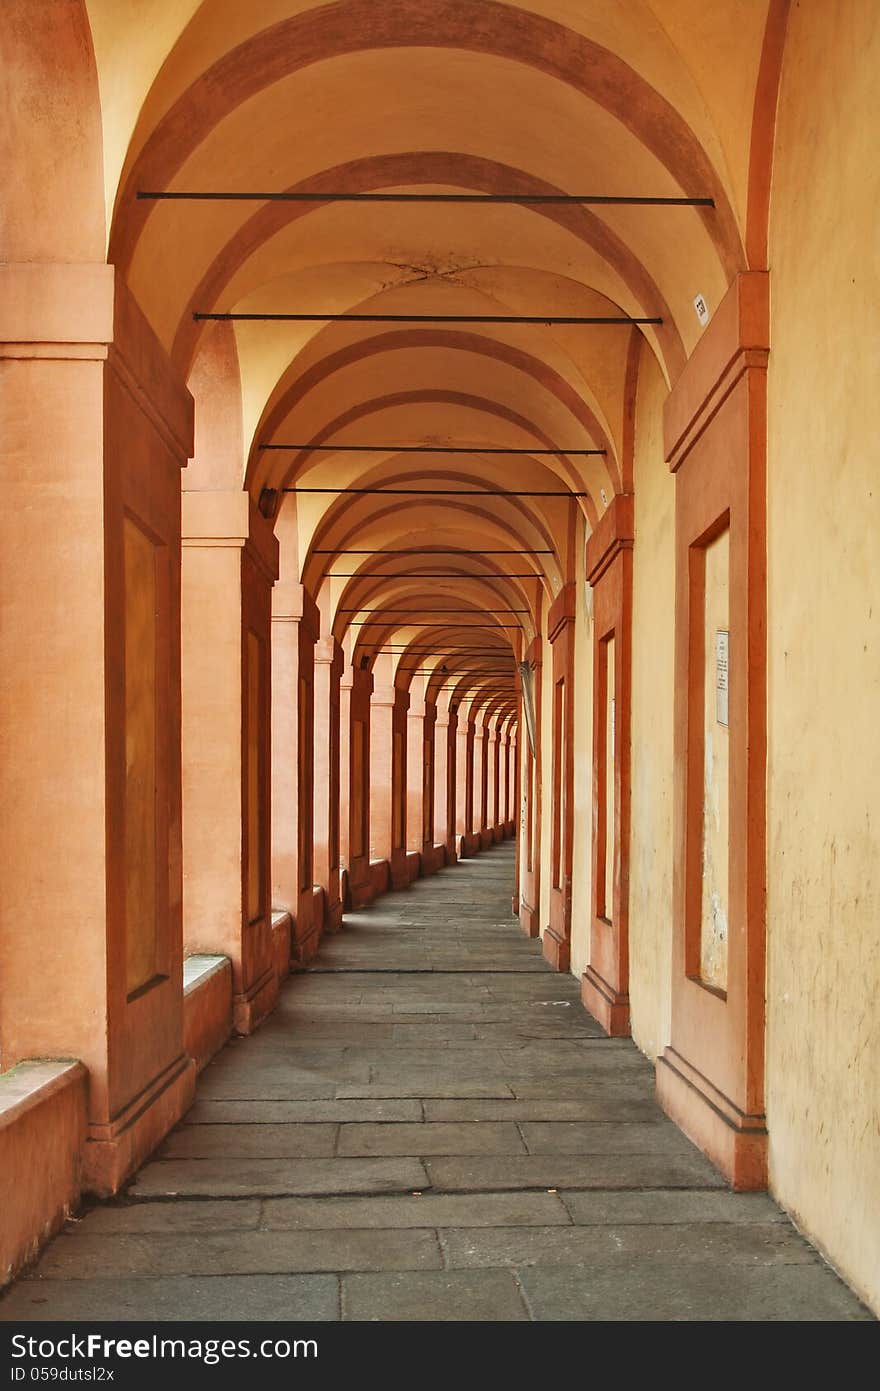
point(722, 676)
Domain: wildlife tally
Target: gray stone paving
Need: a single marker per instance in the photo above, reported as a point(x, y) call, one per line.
point(430, 1127)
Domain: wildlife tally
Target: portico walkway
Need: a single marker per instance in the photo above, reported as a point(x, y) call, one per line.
point(430, 1126)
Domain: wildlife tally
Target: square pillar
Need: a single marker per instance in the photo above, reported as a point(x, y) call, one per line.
point(466, 841)
point(480, 825)
point(560, 633)
point(445, 740)
point(96, 426)
point(711, 1077)
point(230, 562)
point(529, 860)
point(356, 689)
point(328, 674)
point(388, 711)
point(420, 724)
point(605, 983)
point(295, 628)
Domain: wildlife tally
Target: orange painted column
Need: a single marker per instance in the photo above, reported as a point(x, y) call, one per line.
point(421, 718)
point(605, 983)
point(711, 1077)
point(230, 562)
point(415, 777)
point(388, 708)
point(517, 813)
point(560, 633)
point(466, 841)
point(529, 773)
point(354, 763)
point(493, 814)
point(445, 739)
point(328, 674)
point(480, 825)
point(96, 425)
point(295, 628)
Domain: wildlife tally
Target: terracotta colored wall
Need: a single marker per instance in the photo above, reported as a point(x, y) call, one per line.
point(650, 883)
point(824, 653)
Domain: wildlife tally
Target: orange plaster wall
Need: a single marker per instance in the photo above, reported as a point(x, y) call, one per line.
point(823, 902)
point(650, 871)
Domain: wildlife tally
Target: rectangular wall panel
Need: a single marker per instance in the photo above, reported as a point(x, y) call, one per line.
point(141, 857)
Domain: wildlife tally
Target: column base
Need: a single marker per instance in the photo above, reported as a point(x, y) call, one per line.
point(608, 1006)
point(114, 1150)
point(281, 930)
point(360, 883)
point(528, 919)
point(735, 1142)
point(557, 950)
point(332, 915)
point(303, 949)
point(487, 838)
point(250, 1007)
point(404, 870)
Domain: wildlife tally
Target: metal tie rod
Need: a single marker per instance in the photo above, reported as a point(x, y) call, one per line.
point(479, 627)
point(429, 575)
point(576, 319)
point(514, 199)
point(417, 550)
point(430, 449)
point(360, 608)
point(442, 492)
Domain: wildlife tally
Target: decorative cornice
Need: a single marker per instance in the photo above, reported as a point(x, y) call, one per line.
point(614, 533)
point(736, 341)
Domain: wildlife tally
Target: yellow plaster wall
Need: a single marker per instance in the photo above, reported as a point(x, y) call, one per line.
point(650, 895)
point(823, 1028)
point(583, 771)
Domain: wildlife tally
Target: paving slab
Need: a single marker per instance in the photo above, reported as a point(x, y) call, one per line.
point(699, 1291)
point(291, 1140)
point(449, 1295)
point(211, 1215)
point(572, 1171)
point(427, 1210)
point(270, 1177)
point(255, 1113)
point(155, 1254)
point(603, 1137)
point(598, 1208)
point(490, 1137)
point(753, 1243)
point(226, 1298)
point(601, 1108)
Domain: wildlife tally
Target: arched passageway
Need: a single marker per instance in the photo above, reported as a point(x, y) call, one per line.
point(413, 446)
